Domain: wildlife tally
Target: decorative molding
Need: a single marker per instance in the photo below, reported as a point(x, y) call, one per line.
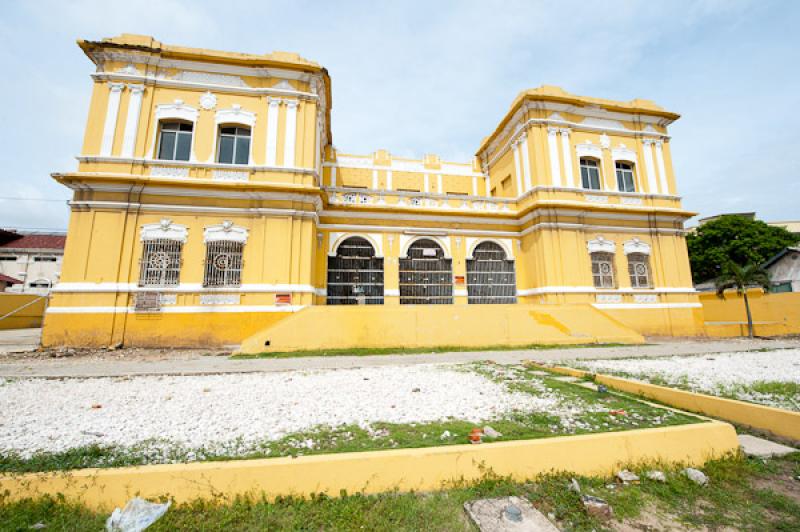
point(407, 239)
point(230, 175)
point(608, 298)
point(177, 110)
point(208, 101)
point(225, 232)
point(635, 245)
point(335, 239)
point(662, 170)
point(235, 115)
point(623, 153)
point(164, 229)
point(505, 243)
point(628, 200)
point(209, 78)
point(285, 85)
point(220, 299)
point(601, 245)
point(587, 149)
point(569, 176)
point(132, 120)
point(112, 112)
point(178, 309)
point(130, 70)
point(594, 198)
point(169, 171)
point(645, 298)
point(272, 130)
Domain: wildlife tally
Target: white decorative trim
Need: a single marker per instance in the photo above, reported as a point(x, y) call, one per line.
point(402, 165)
point(391, 292)
point(335, 239)
point(177, 309)
point(645, 298)
point(290, 133)
point(526, 163)
point(623, 153)
point(226, 232)
point(208, 101)
point(505, 243)
point(406, 240)
point(220, 299)
point(608, 298)
point(177, 110)
point(555, 167)
point(601, 245)
point(209, 78)
point(662, 170)
point(164, 229)
point(517, 168)
point(569, 176)
point(592, 290)
point(132, 120)
point(183, 288)
point(169, 171)
point(587, 149)
point(272, 130)
point(284, 85)
point(112, 112)
point(230, 175)
point(635, 245)
point(594, 198)
point(235, 115)
point(649, 167)
point(628, 200)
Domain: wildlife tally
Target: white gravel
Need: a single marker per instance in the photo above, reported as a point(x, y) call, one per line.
point(201, 411)
point(719, 373)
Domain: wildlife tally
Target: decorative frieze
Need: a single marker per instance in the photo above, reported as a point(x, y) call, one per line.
point(230, 175)
point(594, 198)
point(220, 299)
point(169, 171)
point(608, 298)
point(645, 298)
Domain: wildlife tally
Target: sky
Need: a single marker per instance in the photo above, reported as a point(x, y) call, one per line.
point(420, 77)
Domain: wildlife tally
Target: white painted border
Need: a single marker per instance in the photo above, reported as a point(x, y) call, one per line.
point(183, 288)
point(505, 243)
point(407, 240)
point(178, 310)
point(336, 239)
point(638, 306)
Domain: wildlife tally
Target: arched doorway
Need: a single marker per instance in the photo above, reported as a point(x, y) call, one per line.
point(426, 276)
point(490, 276)
point(355, 274)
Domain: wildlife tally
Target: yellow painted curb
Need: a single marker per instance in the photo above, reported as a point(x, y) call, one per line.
point(379, 471)
point(784, 423)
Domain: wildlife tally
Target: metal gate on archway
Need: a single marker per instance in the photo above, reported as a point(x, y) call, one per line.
point(491, 278)
point(355, 275)
point(426, 276)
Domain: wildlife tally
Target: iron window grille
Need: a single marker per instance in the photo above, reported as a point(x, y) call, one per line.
point(426, 276)
point(639, 270)
point(161, 262)
point(625, 181)
point(603, 270)
point(355, 275)
point(491, 278)
point(590, 174)
point(175, 141)
point(234, 145)
point(223, 264)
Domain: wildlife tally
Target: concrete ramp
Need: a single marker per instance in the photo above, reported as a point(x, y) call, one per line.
point(410, 326)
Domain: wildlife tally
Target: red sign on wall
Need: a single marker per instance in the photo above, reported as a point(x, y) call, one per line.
point(283, 299)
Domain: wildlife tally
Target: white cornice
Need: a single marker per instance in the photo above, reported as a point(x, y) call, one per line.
point(189, 209)
point(193, 164)
point(366, 163)
point(542, 290)
point(88, 288)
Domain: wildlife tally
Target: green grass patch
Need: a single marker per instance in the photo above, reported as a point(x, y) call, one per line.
point(743, 494)
point(364, 351)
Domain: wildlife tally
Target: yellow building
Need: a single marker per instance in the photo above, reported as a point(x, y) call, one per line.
point(209, 203)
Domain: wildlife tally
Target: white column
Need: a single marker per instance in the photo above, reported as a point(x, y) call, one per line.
point(439, 183)
point(333, 176)
point(526, 162)
point(517, 167)
point(474, 185)
point(272, 131)
point(388, 180)
point(555, 169)
point(374, 179)
point(488, 187)
point(290, 134)
point(649, 168)
point(110, 127)
point(132, 120)
point(662, 170)
point(567, 152)
point(426, 183)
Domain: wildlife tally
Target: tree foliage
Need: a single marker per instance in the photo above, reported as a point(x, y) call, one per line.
point(733, 239)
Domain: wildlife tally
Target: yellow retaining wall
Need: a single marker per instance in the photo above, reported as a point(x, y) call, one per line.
point(784, 423)
point(379, 471)
point(773, 314)
point(28, 317)
point(376, 326)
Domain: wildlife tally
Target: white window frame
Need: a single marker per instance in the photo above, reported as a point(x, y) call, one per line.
point(597, 166)
point(631, 169)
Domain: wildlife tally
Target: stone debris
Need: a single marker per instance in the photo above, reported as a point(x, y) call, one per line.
point(627, 477)
point(445, 435)
point(38, 526)
point(574, 486)
point(696, 476)
point(489, 432)
point(761, 448)
point(507, 514)
point(597, 507)
point(658, 476)
point(566, 378)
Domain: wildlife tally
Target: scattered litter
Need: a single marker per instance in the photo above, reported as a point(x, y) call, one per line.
point(38, 526)
point(489, 432)
point(475, 435)
point(597, 507)
point(90, 433)
point(611, 487)
point(415, 390)
point(618, 412)
point(658, 476)
point(627, 477)
point(574, 486)
point(446, 434)
point(696, 476)
point(508, 513)
point(96, 406)
point(602, 389)
point(137, 515)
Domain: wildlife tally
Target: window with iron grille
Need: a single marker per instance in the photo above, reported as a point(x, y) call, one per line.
point(625, 181)
point(426, 276)
point(161, 262)
point(490, 276)
point(639, 270)
point(603, 270)
point(234, 145)
point(590, 174)
point(355, 274)
point(223, 263)
point(175, 141)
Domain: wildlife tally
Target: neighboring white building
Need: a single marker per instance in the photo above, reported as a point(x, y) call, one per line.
point(784, 270)
point(33, 258)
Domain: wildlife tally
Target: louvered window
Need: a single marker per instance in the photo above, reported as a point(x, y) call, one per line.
point(223, 264)
point(490, 276)
point(161, 262)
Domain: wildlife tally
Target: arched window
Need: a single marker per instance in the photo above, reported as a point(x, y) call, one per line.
point(490, 276)
point(603, 269)
point(639, 270)
point(426, 276)
point(175, 141)
point(625, 181)
point(233, 146)
point(590, 173)
point(355, 274)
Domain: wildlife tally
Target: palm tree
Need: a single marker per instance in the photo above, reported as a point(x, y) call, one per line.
point(740, 278)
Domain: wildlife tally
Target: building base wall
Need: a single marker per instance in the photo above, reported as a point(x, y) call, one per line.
point(22, 318)
point(773, 314)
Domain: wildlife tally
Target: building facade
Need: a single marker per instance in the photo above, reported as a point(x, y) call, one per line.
point(32, 258)
point(209, 203)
